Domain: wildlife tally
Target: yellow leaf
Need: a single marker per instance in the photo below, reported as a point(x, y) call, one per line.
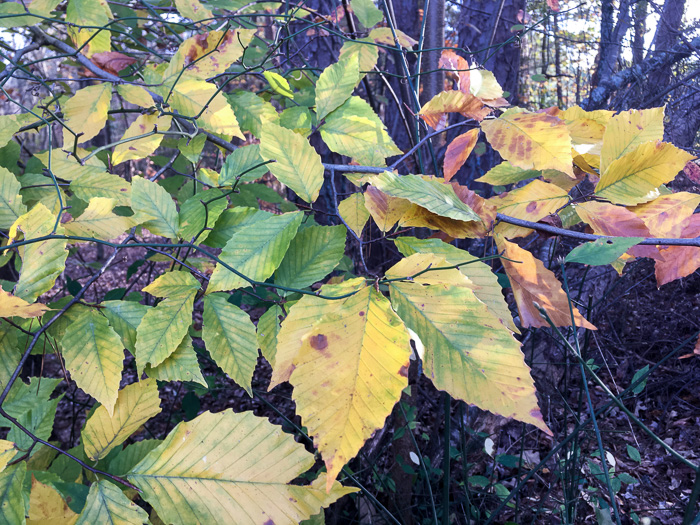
point(354, 213)
point(85, 113)
point(93, 13)
point(65, 166)
point(636, 176)
point(532, 202)
point(531, 140)
point(349, 374)
point(435, 111)
point(483, 85)
point(8, 450)
point(533, 284)
point(140, 148)
point(278, 84)
point(586, 128)
point(136, 95)
point(98, 221)
point(193, 9)
point(627, 130)
point(428, 268)
point(47, 506)
point(136, 404)
point(11, 306)
point(385, 210)
point(384, 35)
point(666, 216)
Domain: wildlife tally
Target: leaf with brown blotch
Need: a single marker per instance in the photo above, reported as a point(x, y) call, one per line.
point(531, 140)
point(457, 68)
point(533, 283)
point(667, 216)
point(112, 61)
point(616, 221)
point(11, 306)
point(435, 111)
point(385, 210)
point(680, 261)
point(458, 151)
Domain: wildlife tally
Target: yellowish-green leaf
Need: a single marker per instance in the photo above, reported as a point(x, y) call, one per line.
point(244, 164)
point(9, 125)
point(136, 95)
point(145, 127)
point(181, 365)
point(93, 13)
point(193, 9)
point(428, 192)
point(11, 206)
point(505, 173)
point(635, 177)
point(204, 472)
point(628, 130)
point(85, 113)
point(366, 12)
point(8, 450)
point(10, 352)
point(164, 327)
point(7, 20)
point(253, 112)
point(136, 404)
point(299, 321)
point(278, 84)
point(532, 202)
point(12, 502)
point(153, 201)
point(98, 221)
point(125, 317)
point(107, 504)
point(355, 130)
point(256, 250)
point(94, 357)
point(46, 505)
point(586, 128)
point(336, 84)
point(483, 281)
point(353, 212)
point(65, 166)
point(91, 185)
point(267, 330)
point(297, 163)
point(195, 217)
point(42, 262)
point(299, 119)
point(349, 374)
point(385, 35)
point(531, 140)
point(367, 53)
point(468, 352)
point(11, 306)
point(231, 340)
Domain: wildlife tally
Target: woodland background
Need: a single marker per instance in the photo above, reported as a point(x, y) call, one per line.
point(602, 54)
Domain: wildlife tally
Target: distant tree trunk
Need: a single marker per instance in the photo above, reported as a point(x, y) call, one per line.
point(557, 59)
point(640, 28)
point(667, 32)
point(433, 82)
point(611, 37)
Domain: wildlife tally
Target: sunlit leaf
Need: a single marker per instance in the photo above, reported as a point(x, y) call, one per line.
point(366, 51)
point(153, 201)
point(107, 504)
point(136, 95)
point(136, 404)
point(8, 450)
point(680, 261)
point(65, 166)
point(296, 165)
point(435, 111)
point(533, 284)
point(85, 113)
point(230, 337)
point(385, 35)
point(666, 216)
point(628, 130)
point(505, 173)
point(349, 374)
point(279, 84)
point(335, 84)
point(11, 306)
point(531, 140)
point(255, 250)
point(385, 210)
point(586, 128)
point(94, 356)
point(140, 148)
point(457, 67)
point(205, 472)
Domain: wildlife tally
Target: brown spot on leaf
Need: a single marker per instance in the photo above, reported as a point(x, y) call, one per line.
point(319, 342)
point(531, 207)
point(403, 371)
point(361, 314)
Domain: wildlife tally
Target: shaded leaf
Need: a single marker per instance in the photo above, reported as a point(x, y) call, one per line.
point(12, 505)
point(11, 306)
point(90, 185)
point(65, 166)
point(112, 61)
point(154, 202)
point(385, 35)
point(667, 215)
point(193, 9)
point(267, 330)
point(11, 206)
point(336, 83)
point(253, 112)
point(85, 113)
point(354, 213)
point(602, 251)
point(244, 164)
point(457, 68)
point(136, 95)
point(98, 221)
point(385, 210)
point(181, 365)
point(458, 152)
point(200, 212)
point(279, 84)
point(505, 173)
point(435, 111)
point(125, 317)
point(366, 51)
point(366, 12)
point(107, 504)
point(142, 147)
point(680, 261)
point(46, 505)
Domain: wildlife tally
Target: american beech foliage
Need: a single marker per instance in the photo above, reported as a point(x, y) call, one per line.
point(344, 337)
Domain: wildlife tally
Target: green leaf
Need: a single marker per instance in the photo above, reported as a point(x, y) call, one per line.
point(11, 206)
point(468, 352)
point(131, 455)
point(336, 84)
point(297, 163)
point(96, 184)
point(278, 84)
point(9, 125)
point(244, 164)
point(255, 251)
point(231, 221)
point(230, 337)
point(485, 283)
point(12, 495)
point(268, 328)
point(42, 262)
point(164, 327)
point(365, 49)
point(193, 9)
point(136, 404)
point(125, 317)
point(94, 356)
point(204, 472)
point(195, 216)
point(299, 119)
point(39, 421)
point(107, 504)
point(312, 255)
point(181, 365)
point(634, 454)
point(367, 13)
point(252, 111)
point(154, 202)
point(10, 352)
point(428, 193)
point(602, 251)
point(355, 130)
point(191, 149)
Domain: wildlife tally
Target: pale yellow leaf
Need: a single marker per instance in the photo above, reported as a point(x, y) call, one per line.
point(85, 113)
point(141, 139)
point(11, 306)
point(353, 212)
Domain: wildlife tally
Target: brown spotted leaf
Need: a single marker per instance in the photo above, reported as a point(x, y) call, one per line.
point(458, 151)
point(680, 261)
